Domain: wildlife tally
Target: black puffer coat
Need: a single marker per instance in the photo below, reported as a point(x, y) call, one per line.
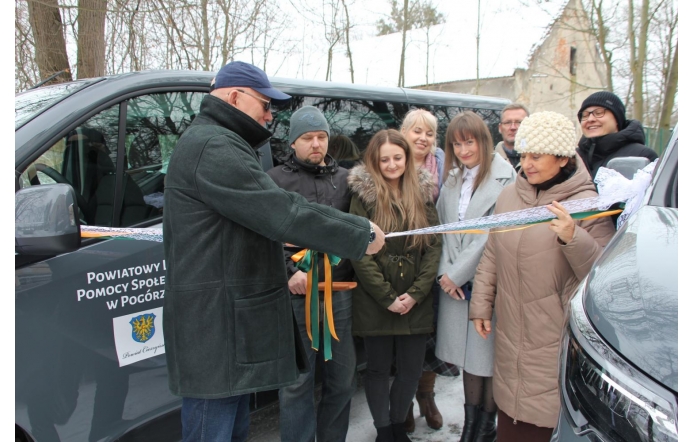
point(325, 185)
point(629, 142)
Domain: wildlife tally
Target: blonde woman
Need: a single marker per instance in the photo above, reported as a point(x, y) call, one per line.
point(475, 177)
point(392, 306)
point(420, 129)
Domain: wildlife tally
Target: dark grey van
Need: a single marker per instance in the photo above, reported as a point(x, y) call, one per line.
point(89, 354)
point(619, 362)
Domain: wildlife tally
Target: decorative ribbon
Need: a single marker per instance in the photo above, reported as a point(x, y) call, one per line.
point(612, 188)
point(520, 219)
point(307, 261)
point(580, 216)
point(121, 233)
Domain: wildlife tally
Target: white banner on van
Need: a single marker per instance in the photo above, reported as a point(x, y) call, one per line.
point(138, 336)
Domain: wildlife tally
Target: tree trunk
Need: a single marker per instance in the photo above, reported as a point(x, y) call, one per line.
point(427, 58)
point(638, 55)
point(205, 47)
point(47, 28)
point(670, 93)
point(330, 61)
point(601, 35)
point(91, 46)
point(401, 73)
point(347, 41)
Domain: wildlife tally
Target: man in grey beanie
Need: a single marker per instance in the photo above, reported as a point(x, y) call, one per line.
point(315, 175)
point(607, 133)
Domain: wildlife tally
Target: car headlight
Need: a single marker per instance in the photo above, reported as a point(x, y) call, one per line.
point(616, 400)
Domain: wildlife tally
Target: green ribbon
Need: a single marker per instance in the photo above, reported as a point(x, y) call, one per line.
point(309, 264)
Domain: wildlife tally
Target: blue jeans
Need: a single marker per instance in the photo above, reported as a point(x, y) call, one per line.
point(298, 421)
point(215, 420)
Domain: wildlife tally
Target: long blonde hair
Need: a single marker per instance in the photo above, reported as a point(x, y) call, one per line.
point(394, 212)
point(464, 126)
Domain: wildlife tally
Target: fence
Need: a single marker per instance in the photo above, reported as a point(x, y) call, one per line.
point(657, 139)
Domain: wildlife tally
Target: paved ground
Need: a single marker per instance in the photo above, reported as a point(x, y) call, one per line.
point(449, 398)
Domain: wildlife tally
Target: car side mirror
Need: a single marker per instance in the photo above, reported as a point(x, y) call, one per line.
point(45, 221)
point(627, 166)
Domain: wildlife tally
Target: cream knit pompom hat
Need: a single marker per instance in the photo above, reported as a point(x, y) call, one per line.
point(546, 133)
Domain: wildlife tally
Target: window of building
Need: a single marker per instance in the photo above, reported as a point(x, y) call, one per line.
point(573, 60)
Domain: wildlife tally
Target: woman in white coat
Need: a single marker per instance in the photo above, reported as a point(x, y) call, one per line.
point(475, 176)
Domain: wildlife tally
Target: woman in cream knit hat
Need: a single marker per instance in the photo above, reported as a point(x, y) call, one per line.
point(529, 275)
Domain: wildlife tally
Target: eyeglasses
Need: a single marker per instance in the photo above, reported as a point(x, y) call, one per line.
point(509, 123)
point(266, 103)
point(597, 113)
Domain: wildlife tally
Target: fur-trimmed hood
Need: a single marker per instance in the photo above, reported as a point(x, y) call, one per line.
point(361, 183)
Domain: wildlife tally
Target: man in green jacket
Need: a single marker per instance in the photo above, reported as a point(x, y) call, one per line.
point(228, 326)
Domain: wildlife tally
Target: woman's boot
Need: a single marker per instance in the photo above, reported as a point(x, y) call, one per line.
point(409, 420)
point(384, 434)
point(399, 434)
point(425, 399)
point(487, 427)
point(469, 424)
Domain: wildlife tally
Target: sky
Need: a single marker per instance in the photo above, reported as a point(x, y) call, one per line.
point(452, 54)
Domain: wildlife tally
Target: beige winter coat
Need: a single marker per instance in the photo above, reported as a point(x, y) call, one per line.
point(528, 276)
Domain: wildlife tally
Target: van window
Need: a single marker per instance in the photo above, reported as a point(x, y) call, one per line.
point(87, 156)
point(83, 158)
point(154, 124)
point(361, 119)
point(357, 119)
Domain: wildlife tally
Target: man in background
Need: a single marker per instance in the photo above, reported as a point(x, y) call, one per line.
point(511, 117)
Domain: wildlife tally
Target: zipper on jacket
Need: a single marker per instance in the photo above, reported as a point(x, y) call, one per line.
point(521, 334)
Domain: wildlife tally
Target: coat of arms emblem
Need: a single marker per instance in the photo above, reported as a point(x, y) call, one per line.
point(143, 327)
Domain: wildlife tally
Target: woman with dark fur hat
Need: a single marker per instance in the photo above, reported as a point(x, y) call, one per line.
point(608, 133)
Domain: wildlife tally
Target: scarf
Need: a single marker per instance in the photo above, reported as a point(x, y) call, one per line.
point(430, 164)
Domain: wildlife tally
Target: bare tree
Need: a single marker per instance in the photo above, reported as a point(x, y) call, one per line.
point(413, 15)
point(347, 41)
point(670, 93)
point(430, 17)
point(638, 55)
point(49, 41)
point(332, 30)
point(600, 30)
point(401, 70)
point(25, 73)
point(637, 42)
point(91, 47)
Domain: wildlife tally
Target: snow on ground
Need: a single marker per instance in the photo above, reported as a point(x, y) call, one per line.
point(449, 398)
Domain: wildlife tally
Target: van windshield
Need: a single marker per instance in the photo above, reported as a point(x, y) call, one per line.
point(29, 104)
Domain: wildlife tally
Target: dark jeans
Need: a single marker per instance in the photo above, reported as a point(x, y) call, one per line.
point(215, 420)
point(298, 420)
point(391, 406)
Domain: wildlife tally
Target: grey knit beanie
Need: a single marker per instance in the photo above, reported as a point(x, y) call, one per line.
point(546, 133)
point(307, 119)
point(608, 100)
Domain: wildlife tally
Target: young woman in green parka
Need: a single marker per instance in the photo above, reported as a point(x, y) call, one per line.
point(392, 306)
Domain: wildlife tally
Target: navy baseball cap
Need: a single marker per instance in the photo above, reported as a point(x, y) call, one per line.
point(240, 74)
